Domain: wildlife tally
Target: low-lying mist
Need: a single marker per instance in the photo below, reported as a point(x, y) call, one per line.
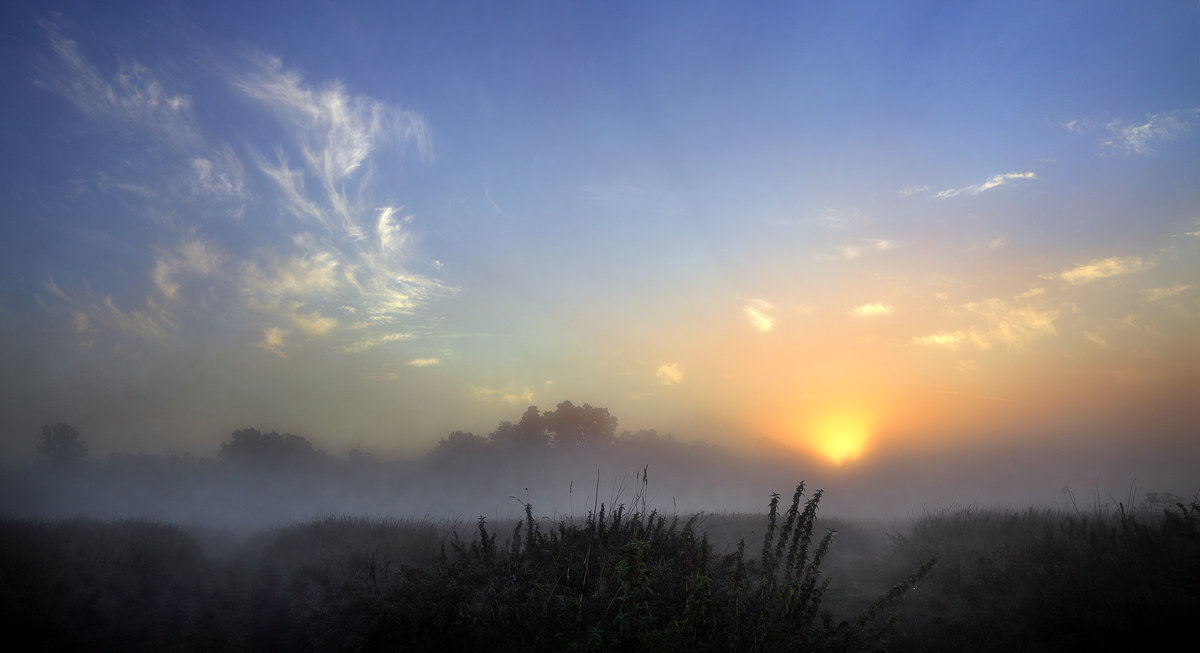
point(566, 461)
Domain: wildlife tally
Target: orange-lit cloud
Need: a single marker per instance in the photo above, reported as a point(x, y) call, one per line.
point(758, 311)
point(273, 341)
point(511, 395)
point(949, 340)
point(1103, 268)
point(669, 374)
point(872, 310)
point(1155, 294)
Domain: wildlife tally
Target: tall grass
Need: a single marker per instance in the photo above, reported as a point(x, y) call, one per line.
point(627, 579)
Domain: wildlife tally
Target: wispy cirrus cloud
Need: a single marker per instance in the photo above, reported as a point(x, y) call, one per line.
point(322, 254)
point(1141, 138)
point(995, 181)
point(132, 93)
point(219, 174)
point(909, 191)
point(87, 313)
point(337, 134)
point(1138, 137)
point(335, 130)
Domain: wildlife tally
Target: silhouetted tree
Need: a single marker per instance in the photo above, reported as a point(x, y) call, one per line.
point(253, 446)
point(61, 444)
point(529, 432)
point(579, 426)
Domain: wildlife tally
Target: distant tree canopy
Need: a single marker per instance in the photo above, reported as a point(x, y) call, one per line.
point(580, 426)
point(61, 444)
point(253, 446)
point(530, 431)
point(462, 441)
point(566, 427)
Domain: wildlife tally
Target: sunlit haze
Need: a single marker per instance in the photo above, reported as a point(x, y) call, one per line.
point(953, 243)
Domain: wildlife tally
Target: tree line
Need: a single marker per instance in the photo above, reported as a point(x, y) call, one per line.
point(568, 427)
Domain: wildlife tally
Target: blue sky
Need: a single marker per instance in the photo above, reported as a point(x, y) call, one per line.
point(375, 223)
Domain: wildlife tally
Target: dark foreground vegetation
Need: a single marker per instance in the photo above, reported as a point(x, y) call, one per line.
point(623, 579)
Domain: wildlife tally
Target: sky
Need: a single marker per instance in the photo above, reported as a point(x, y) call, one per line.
point(867, 232)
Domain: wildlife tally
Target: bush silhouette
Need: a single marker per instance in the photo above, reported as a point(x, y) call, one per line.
point(255, 447)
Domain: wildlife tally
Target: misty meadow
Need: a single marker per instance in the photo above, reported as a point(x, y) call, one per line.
point(316, 322)
point(277, 546)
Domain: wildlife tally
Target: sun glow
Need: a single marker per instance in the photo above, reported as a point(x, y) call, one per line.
point(840, 436)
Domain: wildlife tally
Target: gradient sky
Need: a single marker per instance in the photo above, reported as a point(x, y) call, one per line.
point(862, 229)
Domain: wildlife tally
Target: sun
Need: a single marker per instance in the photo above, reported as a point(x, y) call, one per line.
point(840, 436)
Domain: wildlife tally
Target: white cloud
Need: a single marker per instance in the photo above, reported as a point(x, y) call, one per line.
point(390, 231)
point(1103, 268)
point(669, 374)
point(994, 181)
point(913, 190)
point(424, 362)
point(872, 310)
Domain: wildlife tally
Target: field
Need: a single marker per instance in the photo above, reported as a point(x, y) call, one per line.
point(616, 579)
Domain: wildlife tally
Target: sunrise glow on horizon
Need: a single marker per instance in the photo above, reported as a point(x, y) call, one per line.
point(851, 230)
